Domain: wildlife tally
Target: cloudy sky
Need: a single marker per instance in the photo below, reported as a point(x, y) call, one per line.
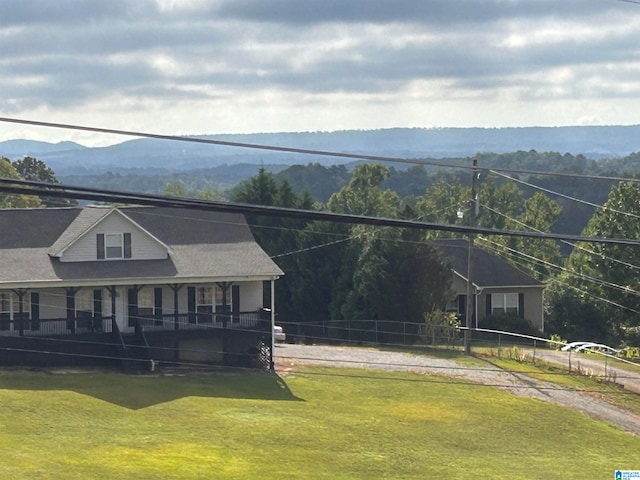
point(241, 66)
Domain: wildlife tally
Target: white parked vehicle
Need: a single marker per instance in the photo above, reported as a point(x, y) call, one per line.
point(585, 346)
point(278, 334)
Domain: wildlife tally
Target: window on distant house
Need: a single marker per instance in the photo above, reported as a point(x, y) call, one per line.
point(146, 306)
point(204, 304)
point(5, 310)
point(220, 301)
point(113, 245)
point(10, 308)
point(504, 303)
point(26, 304)
point(84, 304)
point(223, 306)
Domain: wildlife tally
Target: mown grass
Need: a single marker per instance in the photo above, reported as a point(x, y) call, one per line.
point(591, 385)
point(316, 423)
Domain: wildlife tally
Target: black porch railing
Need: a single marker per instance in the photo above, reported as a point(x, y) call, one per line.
point(106, 324)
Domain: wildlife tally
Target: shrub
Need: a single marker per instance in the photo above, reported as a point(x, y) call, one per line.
point(556, 341)
point(510, 323)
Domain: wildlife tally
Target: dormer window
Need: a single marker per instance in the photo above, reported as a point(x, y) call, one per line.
point(112, 246)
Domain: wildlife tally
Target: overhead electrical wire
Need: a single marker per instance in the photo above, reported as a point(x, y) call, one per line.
point(468, 383)
point(562, 195)
point(324, 153)
point(25, 187)
point(63, 191)
point(574, 245)
point(519, 256)
point(207, 141)
point(588, 278)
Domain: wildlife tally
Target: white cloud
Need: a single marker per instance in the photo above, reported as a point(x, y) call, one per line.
point(247, 65)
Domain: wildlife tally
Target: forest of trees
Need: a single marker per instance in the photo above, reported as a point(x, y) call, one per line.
point(340, 273)
point(351, 273)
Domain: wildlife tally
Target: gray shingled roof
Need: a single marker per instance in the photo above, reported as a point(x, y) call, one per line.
point(86, 218)
point(204, 245)
point(487, 270)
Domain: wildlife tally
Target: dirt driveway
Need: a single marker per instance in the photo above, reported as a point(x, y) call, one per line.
point(288, 356)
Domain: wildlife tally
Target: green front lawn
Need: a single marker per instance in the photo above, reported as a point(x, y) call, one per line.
point(314, 424)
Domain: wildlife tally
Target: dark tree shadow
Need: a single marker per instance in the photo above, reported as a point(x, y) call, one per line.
point(140, 391)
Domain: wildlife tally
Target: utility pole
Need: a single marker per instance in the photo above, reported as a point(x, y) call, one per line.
point(473, 213)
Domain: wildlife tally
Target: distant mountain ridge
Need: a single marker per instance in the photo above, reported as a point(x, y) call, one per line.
point(173, 156)
point(11, 148)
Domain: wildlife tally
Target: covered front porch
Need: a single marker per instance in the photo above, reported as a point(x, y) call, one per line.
point(205, 323)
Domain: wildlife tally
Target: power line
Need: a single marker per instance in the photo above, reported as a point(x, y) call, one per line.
point(113, 196)
point(568, 197)
point(304, 151)
point(375, 365)
point(519, 256)
point(256, 146)
point(468, 383)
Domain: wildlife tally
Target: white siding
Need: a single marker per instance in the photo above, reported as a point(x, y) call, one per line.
point(251, 296)
point(143, 246)
point(53, 303)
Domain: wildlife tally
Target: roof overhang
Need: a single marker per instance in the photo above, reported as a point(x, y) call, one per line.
point(108, 282)
point(483, 287)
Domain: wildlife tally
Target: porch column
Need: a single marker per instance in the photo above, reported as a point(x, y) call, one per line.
point(71, 308)
point(112, 292)
point(132, 307)
point(176, 319)
point(273, 323)
point(225, 302)
point(176, 311)
point(20, 293)
point(225, 316)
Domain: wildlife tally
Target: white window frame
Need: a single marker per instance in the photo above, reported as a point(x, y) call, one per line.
point(503, 303)
point(84, 301)
point(6, 302)
point(218, 295)
point(205, 297)
point(146, 300)
point(115, 238)
point(10, 304)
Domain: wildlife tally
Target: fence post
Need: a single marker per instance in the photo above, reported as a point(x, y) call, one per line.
point(534, 351)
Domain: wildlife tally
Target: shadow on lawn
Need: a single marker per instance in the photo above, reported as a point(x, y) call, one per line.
point(140, 391)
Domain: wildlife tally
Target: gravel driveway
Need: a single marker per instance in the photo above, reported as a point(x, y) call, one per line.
point(288, 356)
point(592, 363)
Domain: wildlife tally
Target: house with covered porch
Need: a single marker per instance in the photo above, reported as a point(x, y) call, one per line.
point(132, 286)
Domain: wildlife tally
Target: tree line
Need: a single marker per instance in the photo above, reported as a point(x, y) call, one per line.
point(351, 273)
